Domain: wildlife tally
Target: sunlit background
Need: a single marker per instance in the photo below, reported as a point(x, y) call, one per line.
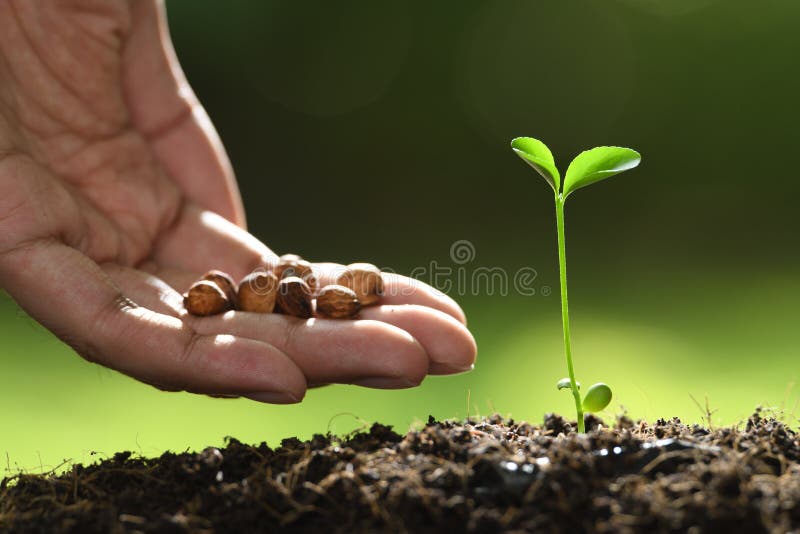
point(684, 274)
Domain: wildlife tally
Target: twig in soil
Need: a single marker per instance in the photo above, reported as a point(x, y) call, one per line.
point(707, 411)
point(280, 486)
point(786, 396)
point(658, 460)
point(364, 423)
point(297, 473)
point(54, 470)
point(132, 519)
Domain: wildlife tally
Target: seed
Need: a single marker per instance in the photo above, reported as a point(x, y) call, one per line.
point(365, 280)
point(337, 302)
point(296, 267)
point(257, 292)
point(224, 282)
point(290, 257)
point(294, 297)
point(206, 298)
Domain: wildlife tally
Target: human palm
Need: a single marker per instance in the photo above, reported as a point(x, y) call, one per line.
point(115, 193)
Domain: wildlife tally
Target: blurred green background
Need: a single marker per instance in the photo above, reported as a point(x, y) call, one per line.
point(683, 274)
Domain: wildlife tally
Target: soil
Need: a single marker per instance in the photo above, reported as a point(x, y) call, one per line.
point(484, 475)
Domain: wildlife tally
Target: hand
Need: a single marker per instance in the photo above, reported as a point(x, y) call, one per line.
point(115, 191)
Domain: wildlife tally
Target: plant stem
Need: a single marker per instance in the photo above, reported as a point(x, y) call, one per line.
point(562, 269)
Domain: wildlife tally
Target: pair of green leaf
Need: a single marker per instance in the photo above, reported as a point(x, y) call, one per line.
point(596, 399)
point(587, 168)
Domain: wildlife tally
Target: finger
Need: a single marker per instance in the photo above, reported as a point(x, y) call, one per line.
point(369, 353)
point(73, 297)
point(164, 108)
point(450, 346)
point(201, 240)
point(145, 289)
point(399, 289)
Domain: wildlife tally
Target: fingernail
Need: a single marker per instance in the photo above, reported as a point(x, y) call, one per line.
point(385, 382)
point(458, 370)
point(274, 397)
point(446, 369)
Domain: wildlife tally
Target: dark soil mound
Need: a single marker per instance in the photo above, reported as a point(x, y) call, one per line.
point(486, 476)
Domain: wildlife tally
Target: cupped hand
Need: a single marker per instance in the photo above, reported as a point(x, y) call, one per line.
point(115, 194)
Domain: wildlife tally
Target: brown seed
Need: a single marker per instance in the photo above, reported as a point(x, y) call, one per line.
point(224, 282)
point(206, 298)
point(289, 258)
point(299, 268)
point(294, 297)
point(337, 302)
point(365, 280)
point(257, 292)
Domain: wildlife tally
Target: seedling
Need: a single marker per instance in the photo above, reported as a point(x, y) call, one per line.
point(587, 168)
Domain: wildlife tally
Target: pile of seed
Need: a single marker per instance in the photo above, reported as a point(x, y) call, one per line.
point(290, 288)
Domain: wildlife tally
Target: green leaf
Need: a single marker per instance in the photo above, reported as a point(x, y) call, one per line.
point(564, 383)
point(537, 155)
point(598, 164)
point(597, 398)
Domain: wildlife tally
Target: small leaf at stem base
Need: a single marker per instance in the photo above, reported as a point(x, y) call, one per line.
point(597, 397)
point(564, 383)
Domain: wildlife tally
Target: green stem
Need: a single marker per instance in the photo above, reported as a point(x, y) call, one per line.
point(562, 269)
